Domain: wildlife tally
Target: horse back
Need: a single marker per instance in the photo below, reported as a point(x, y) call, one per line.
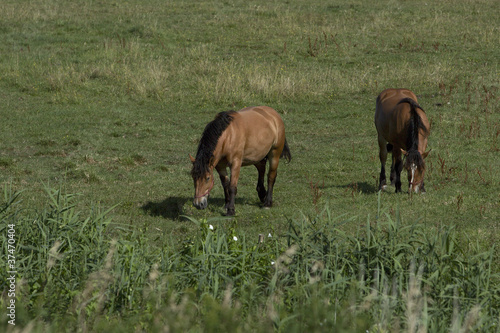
point(254, 132)
point(260, 121)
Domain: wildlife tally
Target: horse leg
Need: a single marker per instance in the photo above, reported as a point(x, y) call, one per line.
point(393, 170)
point(393, 175)
point(383, 158)
point(261, 190)
point(398, 167)
point(271, 178)
point(224, 179)
point(233, 183)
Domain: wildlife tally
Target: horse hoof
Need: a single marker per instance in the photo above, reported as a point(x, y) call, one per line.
point(230, 212)
point(267, 204)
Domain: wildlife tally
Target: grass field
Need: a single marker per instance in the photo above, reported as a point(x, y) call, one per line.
point(106, 99)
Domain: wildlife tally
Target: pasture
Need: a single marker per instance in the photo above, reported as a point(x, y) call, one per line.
point(102, 102)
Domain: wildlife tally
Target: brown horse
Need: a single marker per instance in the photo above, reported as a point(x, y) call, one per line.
point(251, 136)
point(402, 127)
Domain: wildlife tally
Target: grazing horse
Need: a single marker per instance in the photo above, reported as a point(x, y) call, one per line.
point(402, 127)
point(251, 136)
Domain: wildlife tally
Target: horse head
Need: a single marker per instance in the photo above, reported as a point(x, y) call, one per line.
point(203, 184)
point(415, 166)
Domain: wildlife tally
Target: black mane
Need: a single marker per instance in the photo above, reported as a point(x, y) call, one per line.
point(208, 141)
point(414, 157)
point(414, 125)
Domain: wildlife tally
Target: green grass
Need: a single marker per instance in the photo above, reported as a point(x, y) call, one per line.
point(110, 102)
point(106, 99)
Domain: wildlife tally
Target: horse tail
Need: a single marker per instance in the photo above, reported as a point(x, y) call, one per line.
point(414, 105)
point(286, 152)
point(415, 123)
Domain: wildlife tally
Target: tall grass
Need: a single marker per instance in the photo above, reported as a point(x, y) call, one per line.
point(390, 276)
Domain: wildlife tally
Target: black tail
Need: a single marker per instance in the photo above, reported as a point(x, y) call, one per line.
point(414, 105)
point(286, 152)
point(415, 123)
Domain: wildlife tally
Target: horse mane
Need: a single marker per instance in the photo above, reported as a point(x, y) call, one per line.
point(208, 142)
point(415, 123)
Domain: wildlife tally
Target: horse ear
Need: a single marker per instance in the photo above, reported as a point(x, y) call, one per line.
point(191, 158)
point(404, 152)
point(424, 155)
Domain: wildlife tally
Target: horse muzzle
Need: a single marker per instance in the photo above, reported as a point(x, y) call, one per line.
point(201, 202)
point(414, 188)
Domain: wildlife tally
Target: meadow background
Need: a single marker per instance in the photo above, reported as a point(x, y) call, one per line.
point(102, 101)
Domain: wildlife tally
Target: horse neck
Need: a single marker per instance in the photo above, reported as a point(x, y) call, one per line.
point(219, 152)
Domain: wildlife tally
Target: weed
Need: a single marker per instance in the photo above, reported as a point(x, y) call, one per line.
point(460, 200)
point(316, 190)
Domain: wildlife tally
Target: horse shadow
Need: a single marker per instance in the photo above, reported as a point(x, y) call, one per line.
point(170, 208)
point(362, 187)
point(173, 207)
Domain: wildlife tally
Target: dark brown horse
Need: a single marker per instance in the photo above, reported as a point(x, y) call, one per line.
point(251, 136)
point(402, 127)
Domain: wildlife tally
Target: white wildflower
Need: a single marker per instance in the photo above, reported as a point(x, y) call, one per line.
point(235, 238)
